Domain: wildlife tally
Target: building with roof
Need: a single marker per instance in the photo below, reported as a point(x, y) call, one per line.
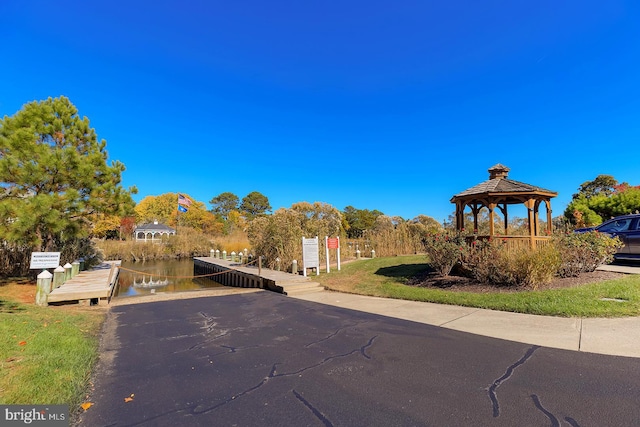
point(153, 232)
point(498, 192)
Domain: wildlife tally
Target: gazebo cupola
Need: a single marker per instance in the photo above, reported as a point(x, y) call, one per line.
point(498, 193)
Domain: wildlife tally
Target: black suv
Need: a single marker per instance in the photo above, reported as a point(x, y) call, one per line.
point(627, 229)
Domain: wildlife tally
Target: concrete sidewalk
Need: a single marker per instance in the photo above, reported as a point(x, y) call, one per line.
point(618, 336)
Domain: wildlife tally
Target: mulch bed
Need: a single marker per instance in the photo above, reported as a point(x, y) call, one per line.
point(430, 279)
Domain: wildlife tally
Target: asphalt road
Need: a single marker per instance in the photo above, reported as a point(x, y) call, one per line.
point(263, 359)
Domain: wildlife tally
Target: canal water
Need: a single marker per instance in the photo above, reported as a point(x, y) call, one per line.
point(160, 276)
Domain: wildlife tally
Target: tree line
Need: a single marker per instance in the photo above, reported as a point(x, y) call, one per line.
point(58, 190)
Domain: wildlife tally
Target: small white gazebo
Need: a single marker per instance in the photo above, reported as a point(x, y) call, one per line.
point(153, 232)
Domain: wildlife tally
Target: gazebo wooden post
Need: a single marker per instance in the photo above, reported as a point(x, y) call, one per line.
point(459, 216)
point(530, 204)
point(549, 218)
point(536, 212)
point(505, 216)
point(506, 219)
point(475, 209)
point(492, 231)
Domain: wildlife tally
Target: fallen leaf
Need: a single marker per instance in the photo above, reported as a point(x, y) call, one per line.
point(22, 343)
point(86, 405)
point(129, 399)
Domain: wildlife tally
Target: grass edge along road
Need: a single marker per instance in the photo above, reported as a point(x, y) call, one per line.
point(387, 277)
point(48, 353)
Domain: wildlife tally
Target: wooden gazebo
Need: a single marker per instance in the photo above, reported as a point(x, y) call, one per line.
point(499, 192)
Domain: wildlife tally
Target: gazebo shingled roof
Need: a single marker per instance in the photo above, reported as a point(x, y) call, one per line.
point(502, 184)
point(156, 227)
point(498, 192)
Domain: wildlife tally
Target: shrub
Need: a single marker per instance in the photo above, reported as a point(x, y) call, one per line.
point(445, 250)
point(489, 263)
point(584, 252)
point(495, 263)
point(536, 267)
point(15, 259)
point(279, 236)
point(391, 237)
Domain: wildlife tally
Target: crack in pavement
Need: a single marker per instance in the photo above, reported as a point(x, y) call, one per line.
point(554, 420)
point(536, 401)
point(202, 344)
point(196, 408)
point(273, 374)
point(209, 327)
point(328, 337)
point(492, 389)
point(361, 350)
point(571, 421)
point(313, 409)
point(209, 321)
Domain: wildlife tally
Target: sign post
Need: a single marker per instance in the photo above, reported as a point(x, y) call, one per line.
point(332, 243)
point(310, 255)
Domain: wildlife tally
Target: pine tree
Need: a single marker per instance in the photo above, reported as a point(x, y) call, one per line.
point(54, 176)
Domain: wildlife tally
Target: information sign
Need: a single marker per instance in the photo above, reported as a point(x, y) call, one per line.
point(332, 243)
point(44, 260)
point(310, 255)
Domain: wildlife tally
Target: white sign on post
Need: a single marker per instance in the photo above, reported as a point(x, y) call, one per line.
point(44, 260)
point(310, 255)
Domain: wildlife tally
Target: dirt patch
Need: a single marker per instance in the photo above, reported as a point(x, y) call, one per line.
point(430, 279)
point(20, 290)
point(23, 291)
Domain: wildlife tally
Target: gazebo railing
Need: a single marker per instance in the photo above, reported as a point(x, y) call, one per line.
point(515, 242)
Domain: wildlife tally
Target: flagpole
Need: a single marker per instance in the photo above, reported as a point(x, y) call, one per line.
point(179, 211)
point(183, 202)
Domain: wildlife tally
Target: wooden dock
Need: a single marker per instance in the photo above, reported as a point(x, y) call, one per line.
point(234, 274)
point(96, 284)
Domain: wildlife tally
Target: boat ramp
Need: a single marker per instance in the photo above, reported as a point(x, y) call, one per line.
point(231, 273)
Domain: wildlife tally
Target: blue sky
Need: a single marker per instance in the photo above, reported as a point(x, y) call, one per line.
point(394, 106)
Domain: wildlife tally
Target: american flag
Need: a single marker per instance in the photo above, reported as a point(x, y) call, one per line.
point(183, 200)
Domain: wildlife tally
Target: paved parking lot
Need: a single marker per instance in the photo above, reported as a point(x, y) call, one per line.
point(266, 359)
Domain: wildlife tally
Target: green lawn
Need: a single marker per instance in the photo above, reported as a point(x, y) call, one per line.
point(387, 277)
point(46, 353)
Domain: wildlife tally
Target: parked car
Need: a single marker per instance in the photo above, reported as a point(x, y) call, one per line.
point(627, 229)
